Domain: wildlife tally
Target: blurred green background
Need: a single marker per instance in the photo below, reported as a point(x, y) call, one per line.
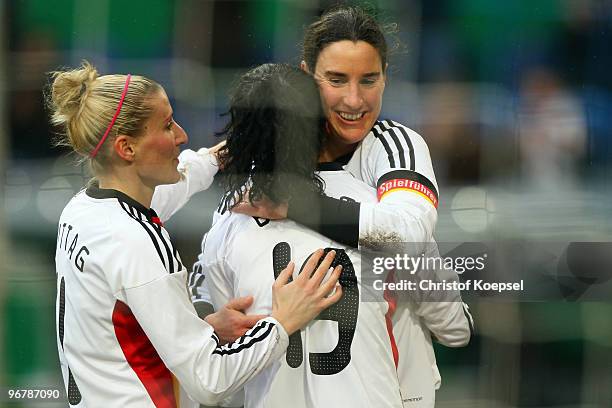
point(513, 98)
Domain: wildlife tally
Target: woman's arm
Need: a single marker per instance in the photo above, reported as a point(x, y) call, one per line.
point(197, 168)
point(188, 346)
point(395, 160)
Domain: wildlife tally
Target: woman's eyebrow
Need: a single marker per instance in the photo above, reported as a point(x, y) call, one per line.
point(334, 73)
point(343, 75)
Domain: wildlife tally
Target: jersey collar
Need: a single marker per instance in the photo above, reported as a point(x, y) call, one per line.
point(335, 165)
point(94, 191)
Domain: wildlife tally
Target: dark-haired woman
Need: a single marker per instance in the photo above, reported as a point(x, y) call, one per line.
point(273, 139)
point(346, 51)
point(274, 133)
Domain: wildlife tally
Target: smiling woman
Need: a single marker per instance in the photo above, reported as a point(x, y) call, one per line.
point(346, 51)
point(351, 81)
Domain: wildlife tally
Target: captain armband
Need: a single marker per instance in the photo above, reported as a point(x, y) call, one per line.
point(407, 180)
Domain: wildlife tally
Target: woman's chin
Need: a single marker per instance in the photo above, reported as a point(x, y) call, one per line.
point(351, 133)
point(173, 179)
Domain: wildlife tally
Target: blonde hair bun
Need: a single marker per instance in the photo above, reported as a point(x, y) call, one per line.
point(69, 91)
point(82, 104)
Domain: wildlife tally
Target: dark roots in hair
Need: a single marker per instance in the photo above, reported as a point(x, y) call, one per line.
point(274, 135)
point(343, 22)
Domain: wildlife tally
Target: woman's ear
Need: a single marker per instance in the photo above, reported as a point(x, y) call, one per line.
point(304, 67)
point(124, 147)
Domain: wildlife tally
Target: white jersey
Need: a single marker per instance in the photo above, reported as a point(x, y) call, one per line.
point(342, 359)
point(231, 258)
point(395, 160)
point(127, 332)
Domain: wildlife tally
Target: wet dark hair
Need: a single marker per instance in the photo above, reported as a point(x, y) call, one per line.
point(274, 135)
point(343, 23)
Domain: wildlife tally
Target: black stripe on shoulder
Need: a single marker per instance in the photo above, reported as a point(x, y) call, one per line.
point(179, 264)
point(253, 336)
point(157, 248)
point(167, 246)
point(403, 132)
point(390, 130)
point(408, 175)
point(385, 143)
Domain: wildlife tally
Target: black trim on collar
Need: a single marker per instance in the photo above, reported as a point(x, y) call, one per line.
point(94, 191)
point(329, 166)
point(337, 164)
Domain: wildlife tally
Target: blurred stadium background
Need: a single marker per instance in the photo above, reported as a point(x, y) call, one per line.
point(514, 99)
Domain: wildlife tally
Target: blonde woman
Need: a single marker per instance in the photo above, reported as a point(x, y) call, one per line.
point(127, 332)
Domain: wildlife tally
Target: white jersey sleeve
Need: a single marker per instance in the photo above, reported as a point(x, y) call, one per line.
point(420, 317)
point(186, 344)
point(124, 316)
point(216, 277)
point(396, 161)
point(198, 286)
point(199, 291)
point(203, 276)
point(442, 311)
point(197, 169)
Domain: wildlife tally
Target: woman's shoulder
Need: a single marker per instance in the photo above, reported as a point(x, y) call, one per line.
point(390, 146)
point(105, 216)
point(388, 131)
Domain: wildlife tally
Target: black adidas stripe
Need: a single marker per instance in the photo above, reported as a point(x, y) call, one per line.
point(408, 141)
point(74, 394)
point(385, 144)
point(170, 249)
point(400, 149)
point(157, 248)
point(392, 128)
point(197, 271)
point(158, 230)
point(194, 286)
point(179, 264)
point(263, 329)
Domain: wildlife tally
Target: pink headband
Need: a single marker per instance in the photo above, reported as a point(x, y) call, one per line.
point(112, 122)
